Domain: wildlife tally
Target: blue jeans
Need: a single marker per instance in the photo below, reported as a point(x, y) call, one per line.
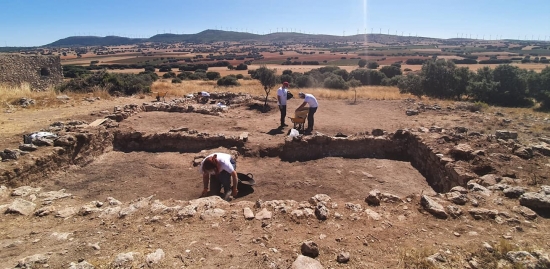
point(224, 179)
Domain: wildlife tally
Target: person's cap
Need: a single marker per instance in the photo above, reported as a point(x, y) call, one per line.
point(301, 94)
point(285, 84)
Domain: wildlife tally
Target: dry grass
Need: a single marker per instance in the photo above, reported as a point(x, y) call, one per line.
point(255, 88)
point(416, 259)
point(10, 96)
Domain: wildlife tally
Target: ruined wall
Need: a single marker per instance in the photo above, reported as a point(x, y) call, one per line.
point(172, 142)
point(39, 71)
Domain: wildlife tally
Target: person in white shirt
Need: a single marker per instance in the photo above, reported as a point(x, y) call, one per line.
point(281, 101)
point(311, 101)
point(219, 169)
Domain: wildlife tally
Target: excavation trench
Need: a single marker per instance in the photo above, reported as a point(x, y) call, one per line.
point(440, 173)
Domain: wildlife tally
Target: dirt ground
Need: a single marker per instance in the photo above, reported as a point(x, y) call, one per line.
point(402, 238)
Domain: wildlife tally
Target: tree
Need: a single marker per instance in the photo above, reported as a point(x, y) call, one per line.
point(543, 92)
point(482, 86)
point(230, 67)
point(512, 88)
point(391, 71)
point(367, 77)
point(268, 79)
point(372, 65)
point(362, 63)
point(228, 81)
point(411, 84)
point(303, 81)
point(335, 82)
point(212, 75)
point(438, 79)
point(241, 66)
point(342, 72)
point(354, 83)
point(165, 69)
point(462, 77)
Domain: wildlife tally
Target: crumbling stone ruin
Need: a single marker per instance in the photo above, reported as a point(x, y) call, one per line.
point(40, 72)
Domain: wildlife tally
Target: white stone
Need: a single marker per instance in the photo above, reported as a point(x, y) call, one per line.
point(211, 214)
point(248, 214)
point(24, 191)
point(263, 214)
point(303, 262)
point(372, 214)
point(155, 257)
point(20, 206)
point(66, 212)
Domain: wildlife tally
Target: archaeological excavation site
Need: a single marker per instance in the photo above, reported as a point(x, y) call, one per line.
point(120, 188)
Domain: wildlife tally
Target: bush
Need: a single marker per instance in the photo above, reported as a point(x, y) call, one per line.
point(114, 83)
point(239, 76)
point(228, 81)
point(176, 80)
point(213, 75)
point(372, 65)
point(197, 76)
point(169, 75)
point(407, 69)
point(391, 71)
point(415, 61)
point(303, 81)
point(149, 68)
point(335, 82)
point(342, 73)
point(287, 78)
point(367, 77)
point(362, 63)
point(411, 84)
point(75, 71)
point(165, 69)
point(242, 67)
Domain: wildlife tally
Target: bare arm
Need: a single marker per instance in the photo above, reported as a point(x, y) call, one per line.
point(205, 179)
point(234, 177)
point(302, 105)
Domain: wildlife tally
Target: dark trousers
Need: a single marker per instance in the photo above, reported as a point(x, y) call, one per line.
point(283, 113)
point(223, 179)
point(310, 119)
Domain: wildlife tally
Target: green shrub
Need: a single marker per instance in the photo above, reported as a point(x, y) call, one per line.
point(239, 76)
point(213, 75)
point(169, 75)
point(228, 81)
point(114, 83)
point(335, 82)
point(372, 65)
point(176, 80)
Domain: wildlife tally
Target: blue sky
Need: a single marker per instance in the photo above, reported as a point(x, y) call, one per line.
point(39, 22)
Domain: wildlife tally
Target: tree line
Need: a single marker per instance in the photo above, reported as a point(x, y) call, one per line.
point(505, 85)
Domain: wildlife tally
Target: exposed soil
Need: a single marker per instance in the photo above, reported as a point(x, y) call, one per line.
point(233, 242)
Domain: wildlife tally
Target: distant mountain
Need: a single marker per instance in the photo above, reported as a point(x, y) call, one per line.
point(209, 36)
point(94, 41)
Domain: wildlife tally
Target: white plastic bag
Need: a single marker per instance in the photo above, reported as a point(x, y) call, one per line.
point(294, 133)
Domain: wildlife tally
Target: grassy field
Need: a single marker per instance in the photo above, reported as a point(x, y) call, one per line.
point(255, 88)
point(10, 96)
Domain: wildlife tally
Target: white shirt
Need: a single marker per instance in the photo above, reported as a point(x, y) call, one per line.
point(310, 100)
point(281, 92)
point(205, 94)
point(224, 160)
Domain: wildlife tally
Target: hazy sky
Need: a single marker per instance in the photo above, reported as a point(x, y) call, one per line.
point(39, 22)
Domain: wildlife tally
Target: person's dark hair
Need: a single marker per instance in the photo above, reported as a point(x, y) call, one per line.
point(209, 164)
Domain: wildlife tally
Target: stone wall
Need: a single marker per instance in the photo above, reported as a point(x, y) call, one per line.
point(40, 72)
